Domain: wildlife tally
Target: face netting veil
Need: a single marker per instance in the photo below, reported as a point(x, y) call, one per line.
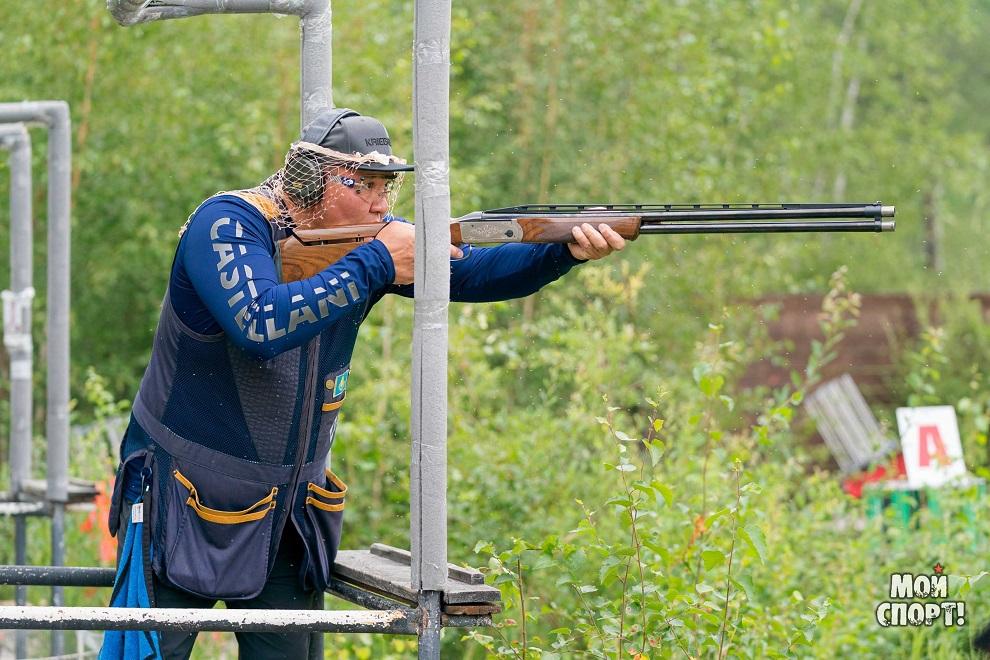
point(313, 176)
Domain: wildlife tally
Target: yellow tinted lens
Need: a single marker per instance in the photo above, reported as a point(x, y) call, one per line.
point(374, 188)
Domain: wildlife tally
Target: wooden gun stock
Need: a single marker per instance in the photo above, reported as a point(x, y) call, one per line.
point(306, 252)
point(538, 229)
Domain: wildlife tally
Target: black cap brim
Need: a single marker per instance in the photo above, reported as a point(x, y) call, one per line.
point(391, 167)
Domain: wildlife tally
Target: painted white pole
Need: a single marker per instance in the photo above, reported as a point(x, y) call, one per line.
point(17, 338)
point(17, 302)
point(428, 482)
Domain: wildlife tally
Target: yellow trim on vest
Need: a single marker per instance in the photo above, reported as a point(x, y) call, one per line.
point(249, 514)
point(327, 407)
point(211, 516)
point(323, 505)
point(328, 494)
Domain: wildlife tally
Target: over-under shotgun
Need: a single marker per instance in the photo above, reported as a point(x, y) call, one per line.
point(308, 251)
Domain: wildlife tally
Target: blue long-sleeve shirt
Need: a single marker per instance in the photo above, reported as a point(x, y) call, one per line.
point(225, 279)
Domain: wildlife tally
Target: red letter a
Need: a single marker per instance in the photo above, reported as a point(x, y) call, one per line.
point(936, 450)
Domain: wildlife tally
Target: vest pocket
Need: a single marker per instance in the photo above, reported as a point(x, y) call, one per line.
point(121, 488)
point(217, 541)
point(325, 515)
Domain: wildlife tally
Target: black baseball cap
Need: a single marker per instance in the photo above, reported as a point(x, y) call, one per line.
point(349, 132)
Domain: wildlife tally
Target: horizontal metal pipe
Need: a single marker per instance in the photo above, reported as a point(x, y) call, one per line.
point(104, 577)
point(400, 621)
point(131, 12)
point(366, 599)
point(66, 576)
point(23, 508)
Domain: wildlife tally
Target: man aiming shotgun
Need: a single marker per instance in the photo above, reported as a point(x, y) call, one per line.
point(227, 446)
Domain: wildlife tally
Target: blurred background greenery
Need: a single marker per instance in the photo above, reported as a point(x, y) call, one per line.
point(592, 101)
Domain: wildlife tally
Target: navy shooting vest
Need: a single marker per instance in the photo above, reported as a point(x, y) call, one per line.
point(240, 448)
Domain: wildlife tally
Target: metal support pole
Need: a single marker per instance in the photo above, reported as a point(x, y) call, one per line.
point(430, 624)
point(17, 303)
point(428, 465)
point(57, 295)
point(20, 591)
point(55, 116)
point(431, 52)
point(58, 548)
point(316, 59)
point(17, 336)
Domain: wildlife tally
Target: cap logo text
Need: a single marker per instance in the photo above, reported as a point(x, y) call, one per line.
point(378, 141)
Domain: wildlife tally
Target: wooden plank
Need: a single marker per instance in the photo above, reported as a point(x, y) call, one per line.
point(392, 578)
point(370, 589)
point(472, 610)
point(79, 490)
point(455, 572)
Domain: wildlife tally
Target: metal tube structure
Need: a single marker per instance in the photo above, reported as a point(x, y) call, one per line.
point(429, 360)
point(20, 591)
point(315, 34)
point(77, 576)
point(55, 116)
point(428, 465)
point(17, 337)
point(315, 59)
point(67, 576)
point(397, 621)
point(17, 303)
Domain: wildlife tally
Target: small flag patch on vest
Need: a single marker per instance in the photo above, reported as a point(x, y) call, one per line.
point(340, 383)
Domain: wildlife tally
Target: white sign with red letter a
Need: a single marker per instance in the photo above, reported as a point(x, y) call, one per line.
point(930, 442)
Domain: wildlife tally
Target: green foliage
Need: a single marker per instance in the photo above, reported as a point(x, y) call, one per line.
point(949, 365)
point(702, 538)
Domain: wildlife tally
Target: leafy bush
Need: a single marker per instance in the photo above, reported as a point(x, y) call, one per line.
point(950, 365)
point(708, 535)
